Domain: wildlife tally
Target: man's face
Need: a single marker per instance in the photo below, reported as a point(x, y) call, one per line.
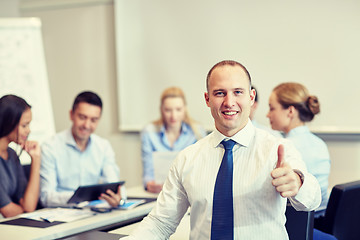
point(85, 119)
point(229, 98)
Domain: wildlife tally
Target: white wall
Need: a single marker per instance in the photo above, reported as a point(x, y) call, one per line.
point(80, 54)
point(316, 49)
point(9, 8)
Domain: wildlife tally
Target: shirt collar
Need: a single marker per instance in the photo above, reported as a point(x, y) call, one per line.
point(70, 140)
point(298, 130)
point(184, 128)
point(243, 137)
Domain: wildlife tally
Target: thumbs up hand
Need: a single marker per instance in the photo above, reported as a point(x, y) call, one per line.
point(285, 180)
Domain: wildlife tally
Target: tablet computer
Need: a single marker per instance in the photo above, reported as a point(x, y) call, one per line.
point(92, 192)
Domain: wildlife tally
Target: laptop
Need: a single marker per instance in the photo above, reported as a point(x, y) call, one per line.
point(92, 192)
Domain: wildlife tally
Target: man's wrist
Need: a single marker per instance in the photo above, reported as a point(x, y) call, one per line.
point(300, 174)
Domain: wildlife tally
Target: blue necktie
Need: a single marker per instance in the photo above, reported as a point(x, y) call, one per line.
point(222, 224)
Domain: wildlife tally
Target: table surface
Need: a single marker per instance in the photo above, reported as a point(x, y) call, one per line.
point(182, 231)
point(82, 225)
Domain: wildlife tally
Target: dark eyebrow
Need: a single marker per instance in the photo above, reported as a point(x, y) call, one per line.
point(239, 89)
point(223, 90)
point(219, 90)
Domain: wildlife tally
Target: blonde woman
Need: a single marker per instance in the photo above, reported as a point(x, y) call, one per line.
point(291, 107)
point(174, 131)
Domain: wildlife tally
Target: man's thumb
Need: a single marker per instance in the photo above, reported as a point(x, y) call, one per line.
point(280, 160)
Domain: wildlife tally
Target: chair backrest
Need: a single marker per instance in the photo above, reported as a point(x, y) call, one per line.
point(299, 224)
point(342, 216)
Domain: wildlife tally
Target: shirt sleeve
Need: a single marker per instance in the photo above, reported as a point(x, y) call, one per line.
point(21, 182)
point(110, 170)
point(171, 205)
point(48, 184)
point(146, 157)
point(4, 197)
point(309, 196)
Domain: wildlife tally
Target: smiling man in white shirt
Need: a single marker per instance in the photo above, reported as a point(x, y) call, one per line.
point(266, 171)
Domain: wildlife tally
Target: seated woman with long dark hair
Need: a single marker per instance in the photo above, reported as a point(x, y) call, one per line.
point(17, 195)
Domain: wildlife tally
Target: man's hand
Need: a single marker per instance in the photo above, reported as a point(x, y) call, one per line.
point(285, 180)
point(112, 198)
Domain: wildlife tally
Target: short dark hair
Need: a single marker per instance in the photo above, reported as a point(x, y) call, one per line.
point(88, 97)
point(256, 95)
point(11, 109)
point(230, 63)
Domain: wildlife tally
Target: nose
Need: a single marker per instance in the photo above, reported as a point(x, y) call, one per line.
point(87, 123)
point(229, 101)
point(268, 115)
point(172, 114)
point(27, 131)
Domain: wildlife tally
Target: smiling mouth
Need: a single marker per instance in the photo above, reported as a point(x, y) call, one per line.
point(230, 113)
point(84, 131)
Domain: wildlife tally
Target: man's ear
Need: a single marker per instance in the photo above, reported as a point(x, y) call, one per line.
point(206, 95)
point(71, 114)
point(252, 96)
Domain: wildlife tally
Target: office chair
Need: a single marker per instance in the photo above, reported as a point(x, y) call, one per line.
point(299, 224)
point(342, 216)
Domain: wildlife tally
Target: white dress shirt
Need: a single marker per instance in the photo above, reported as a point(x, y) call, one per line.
point(259, 211)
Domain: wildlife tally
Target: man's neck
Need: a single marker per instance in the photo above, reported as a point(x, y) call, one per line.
point(81, 144)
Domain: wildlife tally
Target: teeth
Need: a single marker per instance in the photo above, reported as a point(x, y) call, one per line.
point(229, 113)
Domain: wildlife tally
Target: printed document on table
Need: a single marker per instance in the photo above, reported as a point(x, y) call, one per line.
point(59, 214)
